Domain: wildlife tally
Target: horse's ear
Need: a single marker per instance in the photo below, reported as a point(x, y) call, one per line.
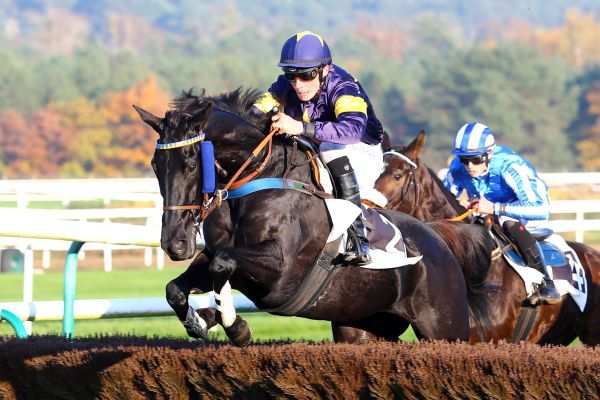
point(413, 150)
point(386, 143)
point(149, 118)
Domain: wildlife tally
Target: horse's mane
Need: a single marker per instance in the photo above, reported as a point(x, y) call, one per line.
point(437, 181)
point(451, 199)
point(238, 101)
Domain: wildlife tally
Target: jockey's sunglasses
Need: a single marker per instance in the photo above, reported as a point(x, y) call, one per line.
point(305, 75)
point(475, 160)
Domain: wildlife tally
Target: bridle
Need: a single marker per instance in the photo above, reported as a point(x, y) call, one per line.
point(214, 200)
point(410, 181)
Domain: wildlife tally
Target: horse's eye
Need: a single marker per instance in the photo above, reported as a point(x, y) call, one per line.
point(397, 177)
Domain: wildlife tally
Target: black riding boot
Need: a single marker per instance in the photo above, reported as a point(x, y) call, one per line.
point(346, 187)
point(546, 292)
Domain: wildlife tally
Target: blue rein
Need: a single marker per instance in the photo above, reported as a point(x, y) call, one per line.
point(209, 181)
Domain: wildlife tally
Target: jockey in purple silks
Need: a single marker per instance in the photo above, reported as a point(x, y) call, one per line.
point(322, 101)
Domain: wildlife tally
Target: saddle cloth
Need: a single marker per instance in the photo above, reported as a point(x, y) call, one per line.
point(562, 265)
point(387, 247)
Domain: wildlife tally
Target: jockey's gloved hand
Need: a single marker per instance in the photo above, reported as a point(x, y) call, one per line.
point(284, 124)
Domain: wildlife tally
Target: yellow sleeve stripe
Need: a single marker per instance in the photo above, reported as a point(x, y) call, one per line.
point(349, 103)
point(305, 117)
point(266, 102)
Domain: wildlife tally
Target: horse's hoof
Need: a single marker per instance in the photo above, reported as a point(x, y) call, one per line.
point(239, 333)
point(195, 326)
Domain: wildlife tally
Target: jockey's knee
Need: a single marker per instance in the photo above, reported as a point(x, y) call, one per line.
point(517, 232)
point(340, 166)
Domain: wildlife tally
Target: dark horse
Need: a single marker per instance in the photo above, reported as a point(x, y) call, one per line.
point(496, 292)
point(267, 243)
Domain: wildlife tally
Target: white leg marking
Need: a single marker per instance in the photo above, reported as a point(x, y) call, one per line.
point(224, 300)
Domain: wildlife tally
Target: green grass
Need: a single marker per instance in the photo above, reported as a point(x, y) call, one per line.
point(145, 283)
point(96, 284)
point(263, 326)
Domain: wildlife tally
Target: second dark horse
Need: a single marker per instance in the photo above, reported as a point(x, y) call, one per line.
point(267, 242)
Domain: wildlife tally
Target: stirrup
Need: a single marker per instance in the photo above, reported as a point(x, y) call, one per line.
point(353, 258)
point(545, 293)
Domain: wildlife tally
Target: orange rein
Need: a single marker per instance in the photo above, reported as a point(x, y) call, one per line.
point(209, 205)
point(461, 217)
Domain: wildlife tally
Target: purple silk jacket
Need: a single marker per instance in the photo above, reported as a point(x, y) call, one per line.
point(340, 113)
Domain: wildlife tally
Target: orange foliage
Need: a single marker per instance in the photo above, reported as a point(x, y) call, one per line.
point(133, 141)
point(36, 147)
point(82, 138)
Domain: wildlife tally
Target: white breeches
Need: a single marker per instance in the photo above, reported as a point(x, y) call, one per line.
point(366, 160)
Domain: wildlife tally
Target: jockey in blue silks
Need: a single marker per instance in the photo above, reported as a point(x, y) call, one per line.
point(322, 101)
point(500, 182)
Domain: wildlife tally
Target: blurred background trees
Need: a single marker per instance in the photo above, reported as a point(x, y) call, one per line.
point(71, 70)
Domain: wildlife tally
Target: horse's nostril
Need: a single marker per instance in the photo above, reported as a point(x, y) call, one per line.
point(178, 246)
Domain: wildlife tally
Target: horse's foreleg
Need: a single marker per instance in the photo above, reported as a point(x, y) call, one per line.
point(221, 268)
point(196, 323)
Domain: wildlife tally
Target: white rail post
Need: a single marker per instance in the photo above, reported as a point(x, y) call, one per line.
point(107, 252)
point(45, 258)
point(22, 200)
point(148, 256)
point(579, 218)
point(28, 284)
point(160, 259)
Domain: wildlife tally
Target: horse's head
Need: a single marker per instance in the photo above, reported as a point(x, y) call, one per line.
point(179, 166)
point(413, 188)
point(176, 165)
point(397, 182)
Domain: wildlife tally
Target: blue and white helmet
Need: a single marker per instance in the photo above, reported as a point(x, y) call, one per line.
point(473, 139)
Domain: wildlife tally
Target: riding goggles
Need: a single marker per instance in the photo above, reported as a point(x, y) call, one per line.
point(303, 75)
point(475, 160)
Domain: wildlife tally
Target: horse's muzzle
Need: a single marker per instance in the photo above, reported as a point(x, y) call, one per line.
point(178, 249)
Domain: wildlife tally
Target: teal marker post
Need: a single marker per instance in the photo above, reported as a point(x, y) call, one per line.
point(70, 285)
point(15, 322)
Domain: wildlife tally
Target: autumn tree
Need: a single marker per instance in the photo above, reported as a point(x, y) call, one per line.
point(589, 146)
point(575, 41)
point(133, 142)
point(34, 147)
point(521, 95)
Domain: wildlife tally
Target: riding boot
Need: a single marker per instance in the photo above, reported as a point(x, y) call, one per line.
point(546, 291)
point(346, 187)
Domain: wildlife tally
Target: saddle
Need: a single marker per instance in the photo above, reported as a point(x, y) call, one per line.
point(553, 257)
point(561, 262)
